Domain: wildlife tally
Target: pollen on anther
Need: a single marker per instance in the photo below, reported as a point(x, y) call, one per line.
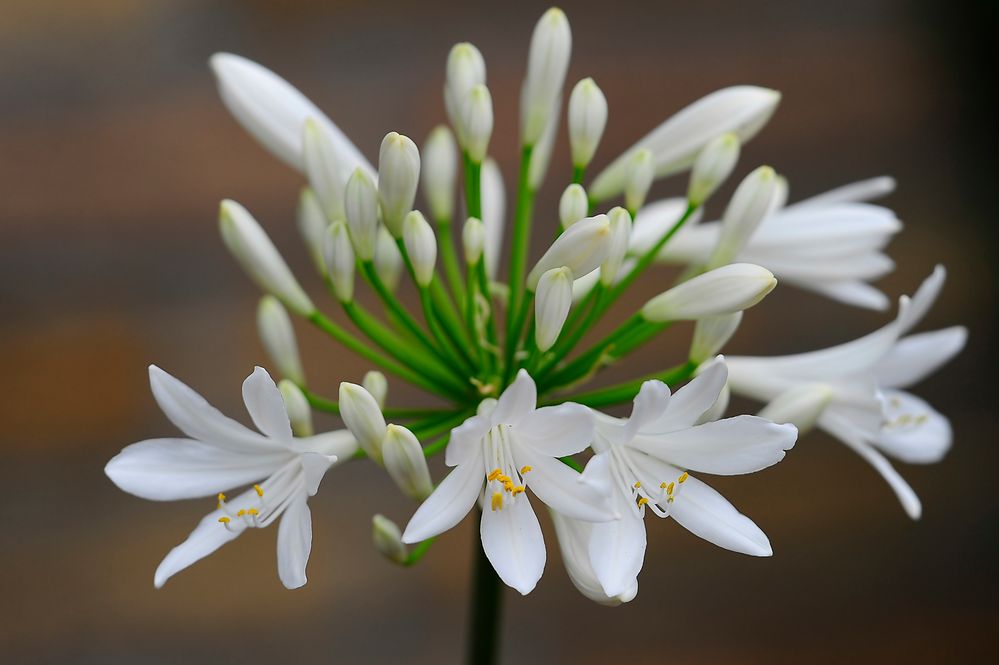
point(683, 478)
point(669, 488)
point(224, 520)
point(240, 513)
point(662, 485)
point(258, 490)
point(519, 489)
point(525, 469)
point(494, 474)
point(252, 511)
point(638, 485)
point(643, 501)
point(497, 501)
point(221, 497)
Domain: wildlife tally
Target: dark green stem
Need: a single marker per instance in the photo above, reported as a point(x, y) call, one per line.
point(487, 597)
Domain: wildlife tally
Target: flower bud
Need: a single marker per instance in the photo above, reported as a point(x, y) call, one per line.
point(620, 238)
point(573, 205)
point(440, 167)
point(799, 406)
point(712, 333)
point(747, 209)
point(724, 290)
point(472, 239)
point(582, 286)
point(493, 215)
point(388, 539)
point(421, 245)
point(713, 166)
point(676, 143)
point(278, 337)
point(251, 247)
point(363, 417)
point(542, 154)
point(587, 119)
point(388, 260)
point(327, 175)
point(339, 256)
point(551, 306)
point(638, 180)
point(376, 384)
point(581, 248)
point(476, 122)
point(405, 462)
point(312, 223)
point(779, 199)
point(465, 68)
point(297, 406)
point(361, 207)
point(398, 178)
point(547, 63)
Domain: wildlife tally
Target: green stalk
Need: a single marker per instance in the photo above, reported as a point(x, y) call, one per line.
point(588, 361)
point(417, 552)
point(521, 239)
point(473, 186)
point(456, 353)
point(449, 257)
point(577, 174)
point(331, 406)
point(625, 392)
point(487, 596)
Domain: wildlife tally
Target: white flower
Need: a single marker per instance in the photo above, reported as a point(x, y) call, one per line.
point(852, 391)
point(547, 64)
point(742, 110)
point(363, 417)
point(574, 542)
point(497, 456)
point(831, 244)
point(465, 68)
point(645, 459)
point(221, 454)
point(749, 206)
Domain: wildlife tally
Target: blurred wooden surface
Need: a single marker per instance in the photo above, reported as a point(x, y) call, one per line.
point(114, 152)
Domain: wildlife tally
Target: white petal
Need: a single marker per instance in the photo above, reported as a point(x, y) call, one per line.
point(265, 405)
point(574, 541)
point(914, 431)
point(863, 190)
point(597, 474)
point(449, 503)
point(562, 488)
point(170, 469)
point(315, 466)
point(294, 542)
point(493, 214)
point(519, 399)
point(557, 431)
point(466, 440)
point(617, 550)
point(706, 513)
point(649, 405)
point(851, 292)
point(743, 444)
point(691, 401)
point(915, 357)
point(512, 541)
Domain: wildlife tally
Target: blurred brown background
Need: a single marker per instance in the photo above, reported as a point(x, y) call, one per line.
point(114, 152)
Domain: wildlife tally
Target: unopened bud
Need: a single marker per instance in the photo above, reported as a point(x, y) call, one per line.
point(388, 260)
point(551, 306)
point(465, 68)
point(398, 178)
point(638, 180)
point(312, 223)
point(493, 214)
point(800, 406)
point(747, 209)
point(573, 205)
point(376, 384)
point(581, 248)
point(339, 257)
point(278, 337)
point(297, 406)
point(327, 174)
point(711, 334)
point(587, 120)
point(473, 237)
point(388, 539)
point(542, 154)
point(713, 166)
point(363, 417)
point(421, 246)
point(405, 462)
point(547, 63)
point(476, 122)
point(620, 238)
point(361, 206)
point(724, 290)
point(251, 247)
point(440, 167)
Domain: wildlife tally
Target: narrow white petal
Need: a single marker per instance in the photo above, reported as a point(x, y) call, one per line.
point(617, 550)
point(265, 406)
point(915, 357)
point(466, 440)
point(493, 214)
point(863, 190)
point(851, 292)
point(513, 542)
point(691, 401)
point(557, 431)
point(706, 513)
point(519, 399)
point(648, 407)
point(574, 541)
point(315, 466)
point(914, 431)
point(294, 542)
point(563, 489)
point(449, 503)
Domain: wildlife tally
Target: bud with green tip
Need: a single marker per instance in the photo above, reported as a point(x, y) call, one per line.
point(745, 212)
point(638, 180)
point(551, 306)
point(724, 290)
point(363, 417)
point(440, 168)
point(473, 236)
point(339, 257)
point(620, 238)
point(278, 337)
point(465, 68)
point(398, 178)
point(587, 120)
point(547, 64)
point(476, 122)
point(388, 260)
point(376, 384)
point(297, 406)
point(312, 223)
point(327, 173)
point(251, 247)
point(421, 246)
point(713, 166)
point(573, 205)
point(403, 457)
point(581, 248)
point(361, 206)
point(711, 334)
point(387, 538)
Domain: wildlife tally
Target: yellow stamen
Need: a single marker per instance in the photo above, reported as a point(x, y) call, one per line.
point(240, 513)
point(525, 469)
point(519, 489)
point(683, 477)
point(669, 488)
point(494, 474)
point(497, 501)
point(224, 520)
point(504, 479)
point(662, 485)
point(252, 511)
point(637, 485)
point(257, 489)
point(221, 497)
point(642, 501)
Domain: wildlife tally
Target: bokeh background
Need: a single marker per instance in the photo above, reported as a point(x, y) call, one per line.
point(114, 153)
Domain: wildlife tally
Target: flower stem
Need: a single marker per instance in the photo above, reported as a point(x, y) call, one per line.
point(487, 596)
point(450, 259)
point(624, 392)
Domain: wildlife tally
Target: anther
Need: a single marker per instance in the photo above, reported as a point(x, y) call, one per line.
point(258, 490)
point(683, 477)
point(519, 489)
point(669, 488)
point(494, 474)
point(638, 485)
point(224, 520)
point(642, 501)
point(525, 469)
point(497, 501)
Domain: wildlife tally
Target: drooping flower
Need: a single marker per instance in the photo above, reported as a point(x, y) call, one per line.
point(219, 454)
point(645, 459)
point(498, 455)
point(853, 391)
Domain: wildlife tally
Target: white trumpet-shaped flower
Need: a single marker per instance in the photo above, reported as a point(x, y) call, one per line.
point(498, 455)
point(645, 460)
point(854, 391)
point(220, 454)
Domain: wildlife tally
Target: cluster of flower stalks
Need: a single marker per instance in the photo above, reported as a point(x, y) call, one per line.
point(509, 358)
